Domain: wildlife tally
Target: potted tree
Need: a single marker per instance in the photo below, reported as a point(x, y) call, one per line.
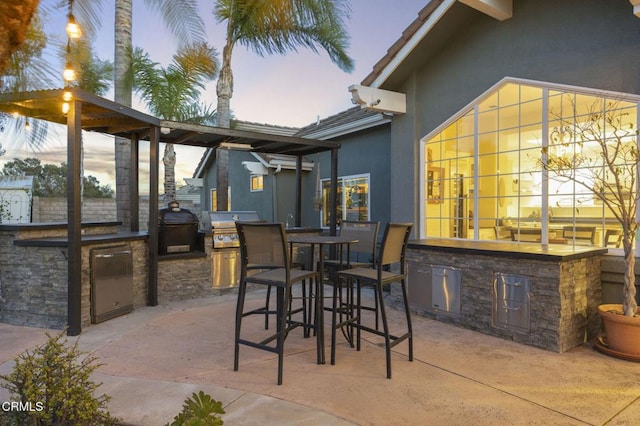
point(596, 147)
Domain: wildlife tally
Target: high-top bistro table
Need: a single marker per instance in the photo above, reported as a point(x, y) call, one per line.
point(321, 241)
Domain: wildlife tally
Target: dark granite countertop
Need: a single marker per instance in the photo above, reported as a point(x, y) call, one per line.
point(548, 252)
point(35, 226)
point(86, 240)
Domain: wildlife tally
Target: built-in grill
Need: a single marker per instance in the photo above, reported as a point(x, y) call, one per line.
point(177, 230)
point(225, 256)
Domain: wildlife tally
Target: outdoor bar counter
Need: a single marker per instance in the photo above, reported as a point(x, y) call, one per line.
point(34, 272)
point(541, 295)
point(34, 269)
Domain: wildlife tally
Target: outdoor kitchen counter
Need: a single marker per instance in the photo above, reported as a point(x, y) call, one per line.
point(540, 295)
point(54, 234)
point(549, 252)
point(87, 239)
point(34, 270)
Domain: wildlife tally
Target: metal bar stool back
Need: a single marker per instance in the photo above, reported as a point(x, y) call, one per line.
point(392, 255)
point(265, 261)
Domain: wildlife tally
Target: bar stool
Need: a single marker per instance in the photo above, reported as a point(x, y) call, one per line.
point(394, 245)
point(263, 249)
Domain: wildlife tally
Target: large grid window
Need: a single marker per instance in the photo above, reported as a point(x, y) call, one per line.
point(353, 199)
point(485, 176)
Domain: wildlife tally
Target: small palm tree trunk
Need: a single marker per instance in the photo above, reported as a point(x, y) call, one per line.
point(169, 161)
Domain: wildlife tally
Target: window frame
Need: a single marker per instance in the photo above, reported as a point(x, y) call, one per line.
point(343, 201)
point(253, 177)
point(213, 197)
point(471, 113)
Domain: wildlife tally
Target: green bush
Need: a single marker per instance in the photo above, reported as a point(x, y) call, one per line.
point(199, 410)
point(52, 386)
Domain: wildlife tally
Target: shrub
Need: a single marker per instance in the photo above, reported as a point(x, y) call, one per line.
point(199, 410)
point(51, 386)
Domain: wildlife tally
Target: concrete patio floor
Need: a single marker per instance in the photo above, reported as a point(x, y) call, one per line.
point(156, 357)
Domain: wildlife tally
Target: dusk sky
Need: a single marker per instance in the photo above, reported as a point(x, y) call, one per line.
point(291, 90)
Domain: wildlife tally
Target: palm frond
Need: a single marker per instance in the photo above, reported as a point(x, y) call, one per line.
point(182, 19)
point(173, 93)
point(279, 26)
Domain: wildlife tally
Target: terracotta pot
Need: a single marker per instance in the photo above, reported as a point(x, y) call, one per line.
point(623, 332)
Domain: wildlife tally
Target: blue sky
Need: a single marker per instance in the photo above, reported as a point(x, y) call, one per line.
point(291, 90)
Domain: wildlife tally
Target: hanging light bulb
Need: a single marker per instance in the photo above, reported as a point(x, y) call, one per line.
point(65, 107)
point(73, 29)
point(69, 74)
point(67, 95)
point(27, 125)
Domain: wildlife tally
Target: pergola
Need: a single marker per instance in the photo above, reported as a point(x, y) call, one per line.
point(92, 113)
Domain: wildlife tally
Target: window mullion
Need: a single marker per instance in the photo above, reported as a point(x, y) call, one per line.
point(476, 179)
point(545, 173)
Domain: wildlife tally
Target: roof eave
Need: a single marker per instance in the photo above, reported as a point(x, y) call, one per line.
point(350, 127)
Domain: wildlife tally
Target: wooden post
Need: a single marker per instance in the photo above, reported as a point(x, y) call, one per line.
point(74, 218)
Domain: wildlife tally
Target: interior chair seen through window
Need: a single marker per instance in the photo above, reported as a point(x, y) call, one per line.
point(263, 250)
point(392, 255)
point(581, 235)
point(612, 238)
point(526, 235)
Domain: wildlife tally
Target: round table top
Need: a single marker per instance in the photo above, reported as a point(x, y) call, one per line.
point(320, 239)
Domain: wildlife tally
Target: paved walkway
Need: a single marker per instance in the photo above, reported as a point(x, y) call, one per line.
point(156, 357)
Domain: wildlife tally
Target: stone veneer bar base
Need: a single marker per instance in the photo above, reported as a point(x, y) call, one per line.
point(565, 288)
point(34, 272)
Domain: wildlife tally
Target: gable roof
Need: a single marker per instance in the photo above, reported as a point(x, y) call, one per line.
point(414, 37)
point(405, 44)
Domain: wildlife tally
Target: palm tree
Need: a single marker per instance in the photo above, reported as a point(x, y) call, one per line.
point(173, 93)
point(275, 26)
point(180, 16)
point(183, 20)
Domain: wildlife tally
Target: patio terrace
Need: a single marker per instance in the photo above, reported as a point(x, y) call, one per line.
point(155, 357)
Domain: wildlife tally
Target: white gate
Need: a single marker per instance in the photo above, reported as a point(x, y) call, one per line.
point(15, 199)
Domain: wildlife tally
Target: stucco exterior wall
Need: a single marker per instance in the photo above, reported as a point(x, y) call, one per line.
point(588, 43)
point(363, 152)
